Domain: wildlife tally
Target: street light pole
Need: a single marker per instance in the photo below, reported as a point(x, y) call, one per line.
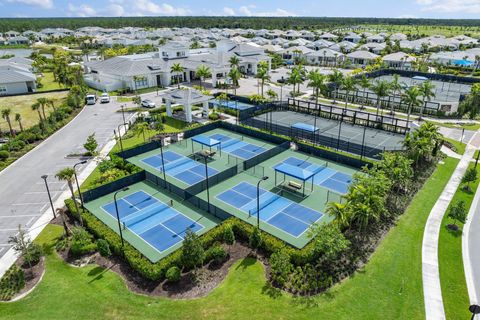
point(118, 216)
point(258, 200)
point(123, 112)
point(206, 179)
point(163, 164)
point(120, 134)
point(76, 180)
point(44, 177)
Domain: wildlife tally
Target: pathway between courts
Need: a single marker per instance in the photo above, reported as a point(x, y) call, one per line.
point(432, 291)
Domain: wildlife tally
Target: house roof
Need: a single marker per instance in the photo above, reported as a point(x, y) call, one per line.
point(12, 74)
point(362, 54)
point(398, 57)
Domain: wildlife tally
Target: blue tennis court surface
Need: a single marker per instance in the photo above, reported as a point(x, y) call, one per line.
point(231, 104)
point(326, 177)
point(157, 223)
point(180, 167)
point(275, 210)
point(237, 147)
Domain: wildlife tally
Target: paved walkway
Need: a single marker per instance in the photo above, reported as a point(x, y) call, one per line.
point(432, 291)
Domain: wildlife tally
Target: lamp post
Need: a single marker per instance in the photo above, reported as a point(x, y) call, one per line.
point(123, 112)
point(118, 216)
point(258, 200)
point(163, 164)
point(44, 177)
point(474, 309)
point(206, 180)
point(120, 134)
point(76, 180)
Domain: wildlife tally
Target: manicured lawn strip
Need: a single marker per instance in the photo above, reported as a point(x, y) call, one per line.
point(466, 126)
point(452, 277)
point(459, 146)
point(48, 82)
point(389, 287)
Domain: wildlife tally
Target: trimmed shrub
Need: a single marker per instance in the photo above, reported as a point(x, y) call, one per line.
point(213, 116)
point(4, 154)
point(33, 254)
point(281, 267)
point(216, 254)
point(173, 274)
point(103, 248)
point(81, 242)
point(11, 283)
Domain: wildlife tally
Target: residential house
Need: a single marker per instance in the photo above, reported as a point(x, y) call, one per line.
point(362, 58)
point(352, 37)
point(399, 60)
point(16, 76)
point(325, 57)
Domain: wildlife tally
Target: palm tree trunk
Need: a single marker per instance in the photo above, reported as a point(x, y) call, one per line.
point(12, 133)
point(378, 105)
point(408, 113)
point(421, 110)
point(43, 112)
point(20, 125)
point(70, 186)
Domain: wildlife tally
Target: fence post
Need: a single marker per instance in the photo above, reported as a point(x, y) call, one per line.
point(363, 142)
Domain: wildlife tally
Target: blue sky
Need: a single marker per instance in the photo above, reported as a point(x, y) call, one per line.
point(333, 8)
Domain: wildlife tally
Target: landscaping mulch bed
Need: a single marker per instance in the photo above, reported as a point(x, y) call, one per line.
point(32, 276)
point(207, 278)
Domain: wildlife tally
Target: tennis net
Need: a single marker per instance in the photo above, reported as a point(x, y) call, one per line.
point(230, 142)
point(176, 163)
point(145, 214)
point(268, 198)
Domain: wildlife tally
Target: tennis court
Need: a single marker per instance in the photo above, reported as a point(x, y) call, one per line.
point(235, 105)
point(275, 210)
point(156, 222)
point(180, 167)
point(324, 176)
point(237, 147)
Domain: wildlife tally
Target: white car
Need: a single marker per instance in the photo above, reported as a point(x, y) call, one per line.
point(91, 99)
point(148, 103)
point(104, 98)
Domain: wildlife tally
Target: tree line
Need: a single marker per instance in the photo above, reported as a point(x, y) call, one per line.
point(23, 24)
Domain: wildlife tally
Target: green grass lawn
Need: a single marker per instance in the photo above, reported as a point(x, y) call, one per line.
point(48, 82)
point(388, 287)
point(466, 126)
point(452, 276)
point(22, 105)
point(459, 146)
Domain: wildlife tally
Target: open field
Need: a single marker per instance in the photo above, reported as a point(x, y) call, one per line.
point(448, 31)
point(381, 290)
point(22, 105)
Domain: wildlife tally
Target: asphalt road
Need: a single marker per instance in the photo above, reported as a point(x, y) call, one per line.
point(23, 196)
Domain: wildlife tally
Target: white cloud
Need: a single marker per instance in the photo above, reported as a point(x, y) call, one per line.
point(250, 11)
point(449, 6)
point(45, 4)
point(115, 10)
point(81, 10)
point(147, 7)
point(228, 11)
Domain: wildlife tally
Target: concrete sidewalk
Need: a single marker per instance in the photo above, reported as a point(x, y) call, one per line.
point(432, 291)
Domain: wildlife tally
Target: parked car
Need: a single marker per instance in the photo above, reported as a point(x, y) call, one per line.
point(91, 99)
point(148, 103)
point(104, 98)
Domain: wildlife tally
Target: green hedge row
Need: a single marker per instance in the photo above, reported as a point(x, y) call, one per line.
point(11, 283)
point(157, 271)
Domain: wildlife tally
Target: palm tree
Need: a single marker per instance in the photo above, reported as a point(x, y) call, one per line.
point(365, 84)
point(348, 84)
point(18, 118)
point(235, 75)
point(396, 87)
point(177, 69)
point(6, 115)
point(141, 129)
point(68, 175)
point(336, 78)
point(427, 91)
point(51, 103)
point(262, 74)
point(295, 78)
point(411, 97)
point(36, 106)
point(340, 212)
point(317, 82)
point(43, 102)
point(234, 61)
point(203, 72)
point(381, 89)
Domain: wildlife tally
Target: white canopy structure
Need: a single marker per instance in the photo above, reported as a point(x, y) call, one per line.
point(186, 97)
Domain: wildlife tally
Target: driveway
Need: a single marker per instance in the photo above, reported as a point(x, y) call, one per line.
point(23, 196)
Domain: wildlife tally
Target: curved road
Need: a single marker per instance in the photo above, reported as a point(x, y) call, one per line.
point(23, 198)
